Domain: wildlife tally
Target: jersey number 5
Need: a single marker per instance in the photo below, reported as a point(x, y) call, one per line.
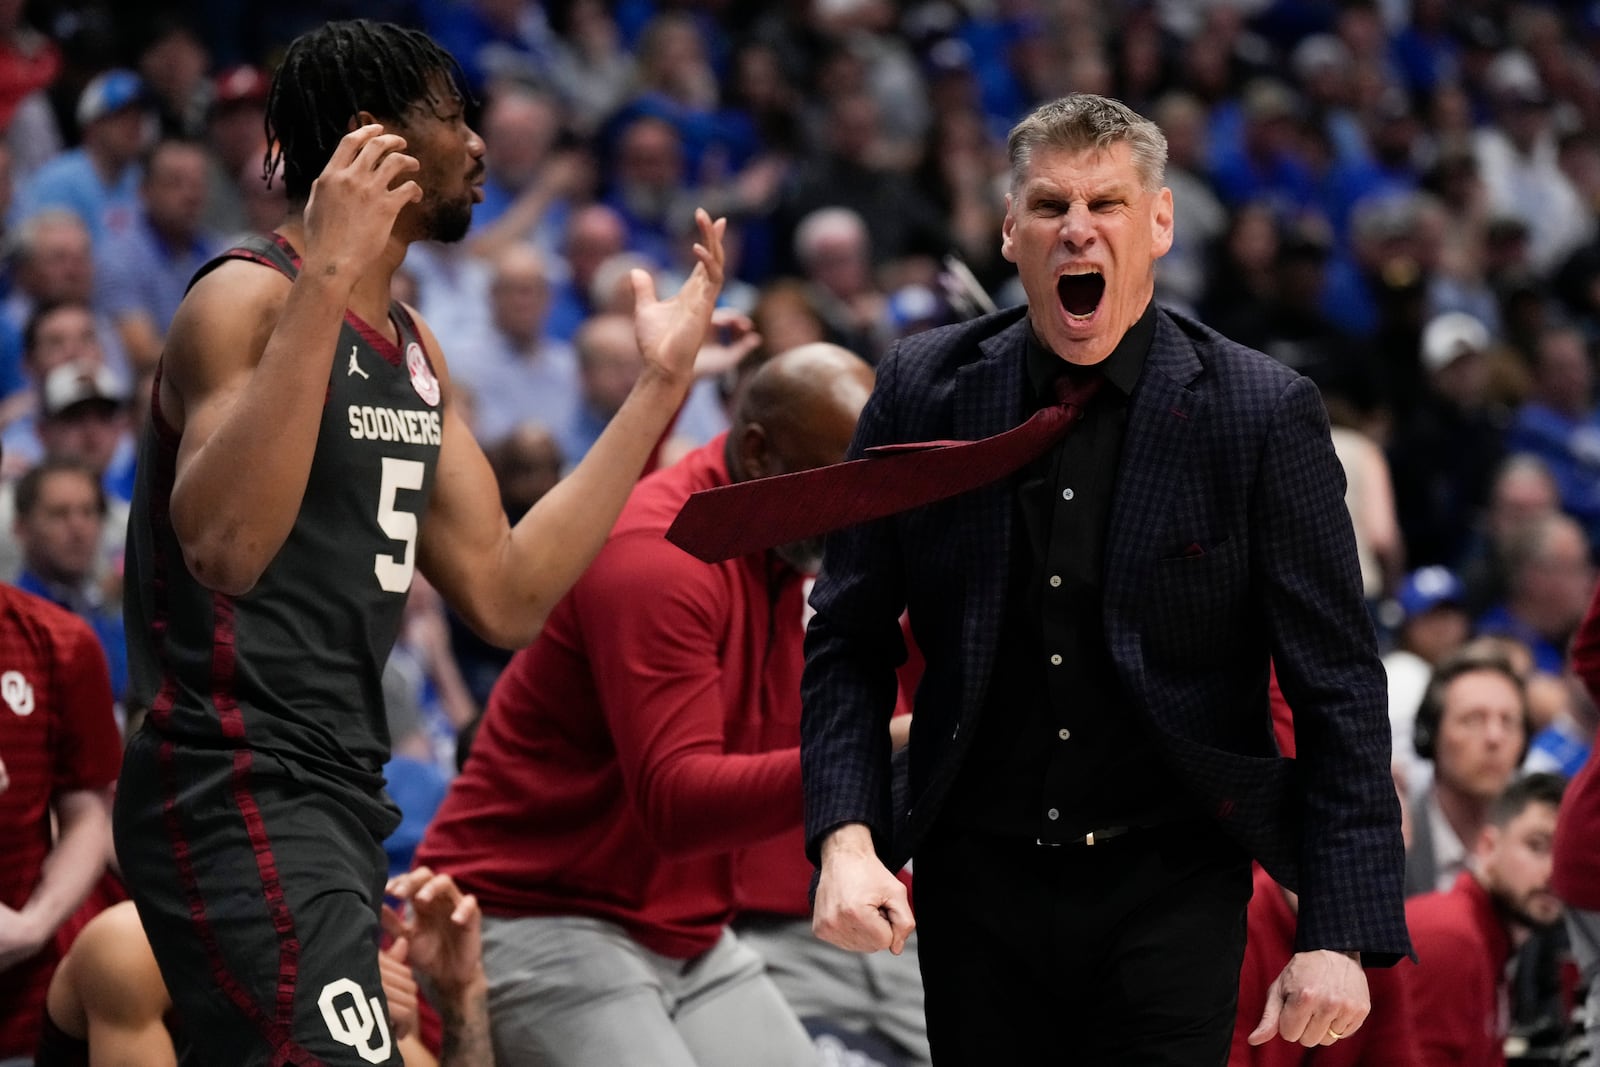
point(394, 575)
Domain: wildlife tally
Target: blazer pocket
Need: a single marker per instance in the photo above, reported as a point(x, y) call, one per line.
point(1195, 601)
point(1195, 550)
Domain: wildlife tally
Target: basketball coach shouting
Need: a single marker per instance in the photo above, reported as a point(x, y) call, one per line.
point(1092, 765)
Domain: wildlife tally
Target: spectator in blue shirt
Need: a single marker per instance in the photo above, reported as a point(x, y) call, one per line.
point(99, 180)
point(1561, 425)
point(141, 273)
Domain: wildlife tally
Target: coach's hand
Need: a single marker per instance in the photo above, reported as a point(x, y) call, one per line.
point(1319, 998)
point(860, 905)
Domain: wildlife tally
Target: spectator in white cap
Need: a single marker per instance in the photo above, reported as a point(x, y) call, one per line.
point(82, 411)
point(1433, 622)
point(98, 180)
point(1444, 454)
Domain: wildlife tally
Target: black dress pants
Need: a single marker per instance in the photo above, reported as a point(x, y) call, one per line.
point(1122, 952)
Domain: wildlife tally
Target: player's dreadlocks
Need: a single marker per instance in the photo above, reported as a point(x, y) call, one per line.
point(331, 73)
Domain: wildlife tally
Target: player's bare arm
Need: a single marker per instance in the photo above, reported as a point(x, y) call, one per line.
point(108, 991)
point(505, 580)
point(247, 364)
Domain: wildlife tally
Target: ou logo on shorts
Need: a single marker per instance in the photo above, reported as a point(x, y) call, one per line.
point(355, 1023)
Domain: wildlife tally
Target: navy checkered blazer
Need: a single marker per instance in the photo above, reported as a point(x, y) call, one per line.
point(1229, 545)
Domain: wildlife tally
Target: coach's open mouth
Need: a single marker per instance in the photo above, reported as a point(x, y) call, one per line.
point(1080, 293)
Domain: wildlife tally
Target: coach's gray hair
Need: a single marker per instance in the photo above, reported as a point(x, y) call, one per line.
point(1083, 121)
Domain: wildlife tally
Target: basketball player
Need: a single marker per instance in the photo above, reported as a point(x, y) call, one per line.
point(303, 459)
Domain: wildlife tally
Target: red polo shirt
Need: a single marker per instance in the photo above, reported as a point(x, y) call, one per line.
point(649, 733)
point(57, 734)
point(1458, 990)
point(1576, 876)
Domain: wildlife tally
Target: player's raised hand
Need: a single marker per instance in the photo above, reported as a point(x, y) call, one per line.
point(356, 199)
point(670, 332)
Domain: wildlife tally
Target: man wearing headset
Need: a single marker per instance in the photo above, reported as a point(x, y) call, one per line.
point(1473, 726)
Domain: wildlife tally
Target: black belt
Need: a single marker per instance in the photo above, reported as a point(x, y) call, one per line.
point(1093, 837)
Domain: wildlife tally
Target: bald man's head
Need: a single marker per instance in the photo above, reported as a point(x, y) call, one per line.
point(798, 411)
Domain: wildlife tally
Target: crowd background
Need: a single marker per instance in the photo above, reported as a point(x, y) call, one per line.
point(1396, 197)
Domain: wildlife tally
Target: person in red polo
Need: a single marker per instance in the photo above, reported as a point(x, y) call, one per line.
point(650, 733)
point(1465, 936)
point(1576, 877)
point(61, 750)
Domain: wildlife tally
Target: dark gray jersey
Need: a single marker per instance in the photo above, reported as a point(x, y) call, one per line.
point(292, 668)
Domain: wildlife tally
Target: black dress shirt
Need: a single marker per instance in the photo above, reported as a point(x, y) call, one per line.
point(1059, 750)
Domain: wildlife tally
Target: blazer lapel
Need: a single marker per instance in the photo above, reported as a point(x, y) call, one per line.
point(988, 400)
point(1162, 414)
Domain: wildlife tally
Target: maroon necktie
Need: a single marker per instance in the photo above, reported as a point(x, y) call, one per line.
point(733, 520)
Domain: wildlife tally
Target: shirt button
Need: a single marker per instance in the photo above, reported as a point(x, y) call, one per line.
point(1053, 814)
point(1055, 581)
point(1066, 494)
point(1055, 660)
point(1063, 733)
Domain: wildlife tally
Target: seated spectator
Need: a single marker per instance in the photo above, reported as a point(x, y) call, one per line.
point(649, 187)
point(517, 372)
point(142, 272)
point(594, 67)
point(608, 363)
point(235, 143)
point(649, 733)
point(61, 751)
point(55, 265)
point(1268, 165)
point(595, 233)
point(1522, 491)
point(173, 64)
point(1388, 1035)
point(1444, 453)
point(1548, 575)
point(83, 417)
point(1561, 425)
point(1465, 936)
point(1199, 218)
point(677, 83)
point(1473, 726)
point(526, 186)
point(1433, 624)
point(452, 290)
point(1518, 160)
point(495, 39)
point(30, 63)
point(855, 170)
point(61, 515)
point(99, 180)
point(834, 249)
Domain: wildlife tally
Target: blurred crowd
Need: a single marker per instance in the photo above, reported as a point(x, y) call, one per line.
point(1396, 197)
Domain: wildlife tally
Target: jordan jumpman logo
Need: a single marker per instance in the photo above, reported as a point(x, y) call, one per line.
point(355, 368)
